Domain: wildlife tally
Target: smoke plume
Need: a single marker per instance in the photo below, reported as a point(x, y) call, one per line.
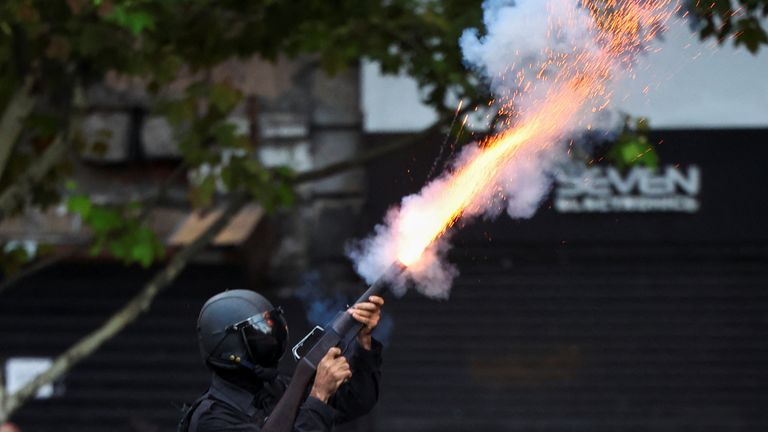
point(529, 47)
point(520, 33)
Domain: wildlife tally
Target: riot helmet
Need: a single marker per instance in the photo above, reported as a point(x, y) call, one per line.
point(241, 329)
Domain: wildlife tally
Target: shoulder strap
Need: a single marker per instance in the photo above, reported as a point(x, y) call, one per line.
point(185, 423)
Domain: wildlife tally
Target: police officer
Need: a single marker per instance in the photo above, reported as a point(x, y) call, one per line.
point(242, 337)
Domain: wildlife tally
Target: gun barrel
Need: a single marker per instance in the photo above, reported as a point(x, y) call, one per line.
point(381, 284)
point(284, 413)
point(344, 322)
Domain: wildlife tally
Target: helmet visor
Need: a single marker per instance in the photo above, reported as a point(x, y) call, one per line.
point(266, 337)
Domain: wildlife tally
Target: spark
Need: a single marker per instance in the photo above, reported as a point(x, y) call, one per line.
point(622, 30)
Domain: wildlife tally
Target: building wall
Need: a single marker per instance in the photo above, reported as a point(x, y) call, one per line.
point(297, 116)
point(690, 85)
point(607, 330)
point(591, 321)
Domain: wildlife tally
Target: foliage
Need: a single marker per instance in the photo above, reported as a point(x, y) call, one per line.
point(741, 20)
point(65, 46)
point(118, 229)
point(14, 255)
point(632, 147)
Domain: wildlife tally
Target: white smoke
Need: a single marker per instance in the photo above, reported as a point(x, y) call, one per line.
point(525, 182)
point(519, 33)
point(520, 36)
point(432, 275)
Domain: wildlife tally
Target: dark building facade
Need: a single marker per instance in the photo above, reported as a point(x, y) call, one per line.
point(592, 320)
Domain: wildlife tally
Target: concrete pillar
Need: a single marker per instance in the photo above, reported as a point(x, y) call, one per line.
point(315, 237)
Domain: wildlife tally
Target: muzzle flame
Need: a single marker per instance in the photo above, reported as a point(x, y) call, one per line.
point(575, 83)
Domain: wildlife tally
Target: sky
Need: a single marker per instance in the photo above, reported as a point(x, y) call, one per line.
point(688, 84)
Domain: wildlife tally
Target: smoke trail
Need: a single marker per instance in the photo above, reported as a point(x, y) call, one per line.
point(530, 50)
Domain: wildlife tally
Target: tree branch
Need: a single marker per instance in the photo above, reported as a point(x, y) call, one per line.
point(153, 201)
point(142, 301)
point(335, 168)
point(15, 113)
point(132, 310)
point(148, 205)
point(20, 188)
point(304, 177)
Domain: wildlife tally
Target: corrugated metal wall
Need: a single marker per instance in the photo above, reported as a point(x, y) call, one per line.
point(591, 338)
point(133, 382)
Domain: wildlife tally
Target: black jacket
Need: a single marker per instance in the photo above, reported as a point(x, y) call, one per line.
point(229, 407)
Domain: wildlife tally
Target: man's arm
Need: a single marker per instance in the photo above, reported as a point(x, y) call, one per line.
point(316, 414)
point(329, 400)
point(358, 396)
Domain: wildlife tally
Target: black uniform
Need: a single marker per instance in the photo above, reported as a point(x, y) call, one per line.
point(230, 407)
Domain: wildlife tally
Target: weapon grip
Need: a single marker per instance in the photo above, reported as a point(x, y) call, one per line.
point(284, 414)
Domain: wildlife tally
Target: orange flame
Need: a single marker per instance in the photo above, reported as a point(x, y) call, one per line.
point(622, 28)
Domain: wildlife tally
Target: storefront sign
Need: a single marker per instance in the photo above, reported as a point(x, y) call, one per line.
point(639, 189)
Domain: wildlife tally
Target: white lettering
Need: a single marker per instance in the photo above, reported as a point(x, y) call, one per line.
point(651, 184)
point(639, 190)
point(690, 185)
point(624, 186)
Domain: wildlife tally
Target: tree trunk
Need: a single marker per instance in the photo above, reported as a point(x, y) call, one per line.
point(132, 310)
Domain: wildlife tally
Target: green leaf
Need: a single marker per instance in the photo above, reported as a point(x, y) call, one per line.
point(253, 167)
point(632, 150)
point(224, 97)
point(227, 176)
point(179, 111)
point(119, 248)
point(142, 246)
point(201, 195)
point(143, 253)
point(136, 21)
point(285, 172)
point(751, 35)
point(285, 195)
point(632, 146)
point(102, 219)
point(225, 134)
point(80, 204)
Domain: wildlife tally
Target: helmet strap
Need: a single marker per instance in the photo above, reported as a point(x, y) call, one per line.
point(262, 373)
